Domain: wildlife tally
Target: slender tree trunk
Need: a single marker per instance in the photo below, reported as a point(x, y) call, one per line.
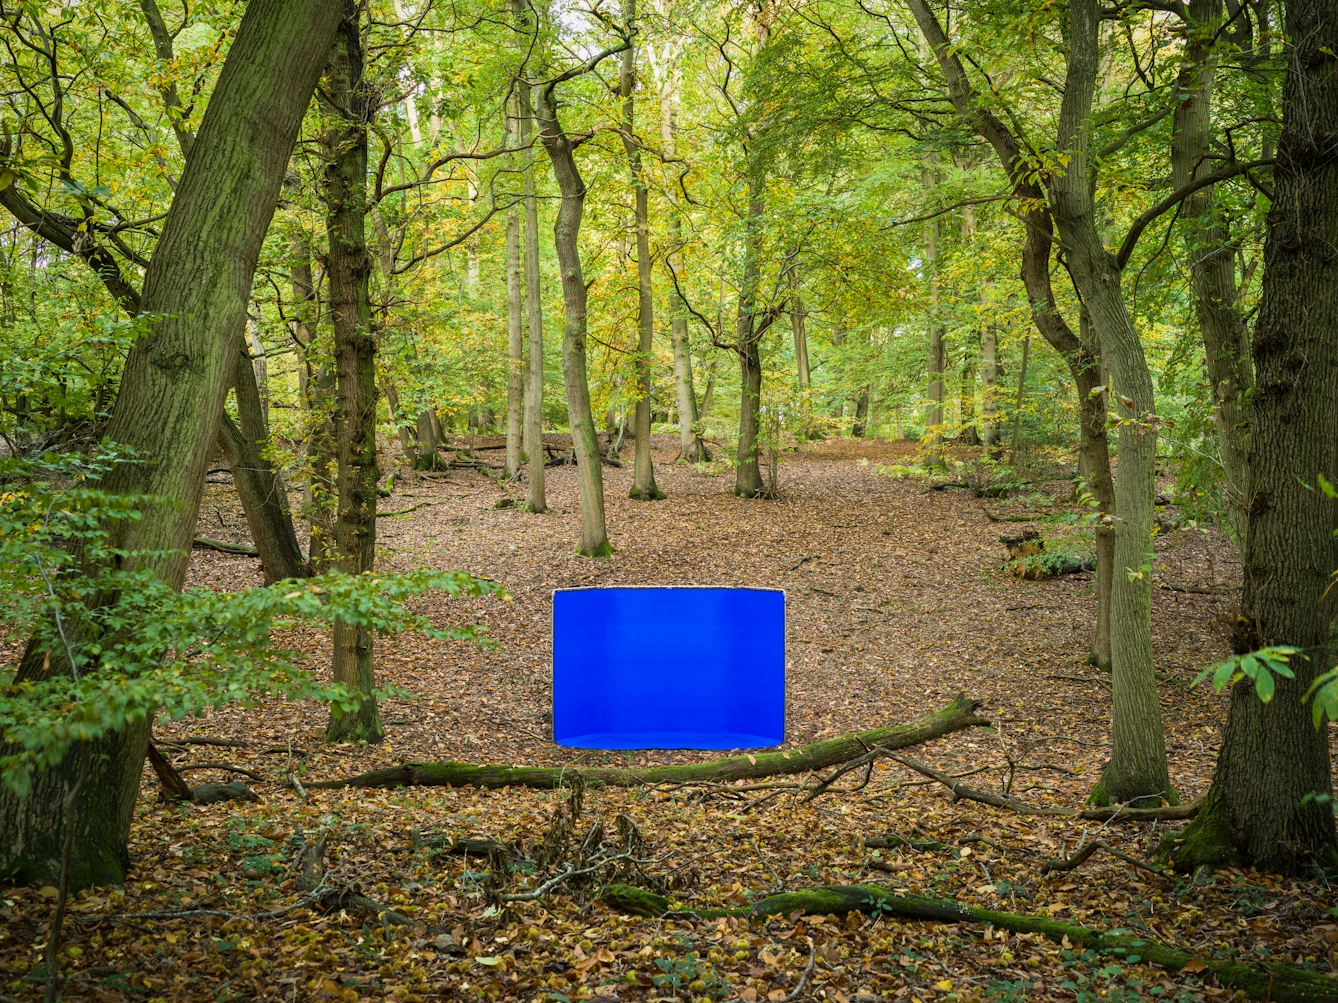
point(798, 317)
point(585, 440)
point(316, 385)
point(989, 383)
point(1259, 811)
point(969, 435)
point(350, 267)
point(1079, 352)
point(405, 433)
point(691, 449)
point(748, 337)
point(173, 386)
point(535, 500)
point(938, 351)
point(1211, 257)
point(1137, 766)
point(1017, 406)
point(260, 487)
point(644, 487)
point(515, 340)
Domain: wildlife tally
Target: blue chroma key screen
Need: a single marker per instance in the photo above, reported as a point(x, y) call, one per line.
point(668, 668)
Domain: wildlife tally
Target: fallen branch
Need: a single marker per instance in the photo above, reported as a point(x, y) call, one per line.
point(225, 767)
point(406, 511)
point(1264, 981)
point(1080, 857)
point(227, 743)
point(957, 715)
point(1121, 813)
point(245, 549)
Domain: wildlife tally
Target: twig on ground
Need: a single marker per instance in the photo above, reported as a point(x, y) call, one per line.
point(411, 508)
point(802, 561)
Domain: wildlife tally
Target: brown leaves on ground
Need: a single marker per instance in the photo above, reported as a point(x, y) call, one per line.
point(895, 602)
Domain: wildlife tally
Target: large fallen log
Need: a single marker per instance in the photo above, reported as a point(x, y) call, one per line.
point(1279, 983)
point(957, 715)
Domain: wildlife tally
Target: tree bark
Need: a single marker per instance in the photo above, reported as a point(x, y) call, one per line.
point(260, 487)
point(1137, 766)
point(691, 449)
point(515, 340)
point(747, 343)
point(1081, 353)
point(408, 445)
point(585, 440)
point(644, 487)
point(861, 413)
point(1211, 256)
point(171, 398)
point(989, 383)
point(349, 269)
point(1272, 756)
point(535, 500)
point(316, 383)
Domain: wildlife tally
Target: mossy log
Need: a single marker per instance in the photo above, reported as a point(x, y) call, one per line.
point(957, 715)
point(1279, 983)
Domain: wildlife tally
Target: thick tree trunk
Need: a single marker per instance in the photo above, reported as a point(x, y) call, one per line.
point(861, 413)
point(349, 269)
point(644, 487)
point(260, 487)
point(1137, 766)
point(515, 340)
point(748, 338)
point(585, 440)
point(1211, 257)
point(1272, 757)
point(173, 386)
point(535, 500)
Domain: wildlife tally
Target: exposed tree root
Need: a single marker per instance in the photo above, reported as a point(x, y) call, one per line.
point(957, 715)
point(1279, 983)
point(1079, 857)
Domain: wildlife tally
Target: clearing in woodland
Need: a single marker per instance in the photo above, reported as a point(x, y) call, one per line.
point(898, 601)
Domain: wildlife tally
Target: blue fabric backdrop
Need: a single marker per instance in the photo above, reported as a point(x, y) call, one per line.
point(668, 668)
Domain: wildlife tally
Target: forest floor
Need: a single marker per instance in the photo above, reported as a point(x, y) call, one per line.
point(896, 602)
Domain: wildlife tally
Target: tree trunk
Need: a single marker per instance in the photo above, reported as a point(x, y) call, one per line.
point(989, 383)
point(1272, 756)
point(260, 487)
point(748, 337)
point(861, 413)
point(349, 268)
point(691, 449)
point(173, 387)
point(515, 341)
point(938, 361)
point(316, 383)
point(535, 500)
point(1211, 256)
point(1137, 767)
point(408, 446)
point(798, 316)
point(585, 440)
point(1079, 352)
point(1017, 405)
point(644, 487)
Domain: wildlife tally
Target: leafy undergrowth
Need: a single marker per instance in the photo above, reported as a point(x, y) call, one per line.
point(898, 604)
